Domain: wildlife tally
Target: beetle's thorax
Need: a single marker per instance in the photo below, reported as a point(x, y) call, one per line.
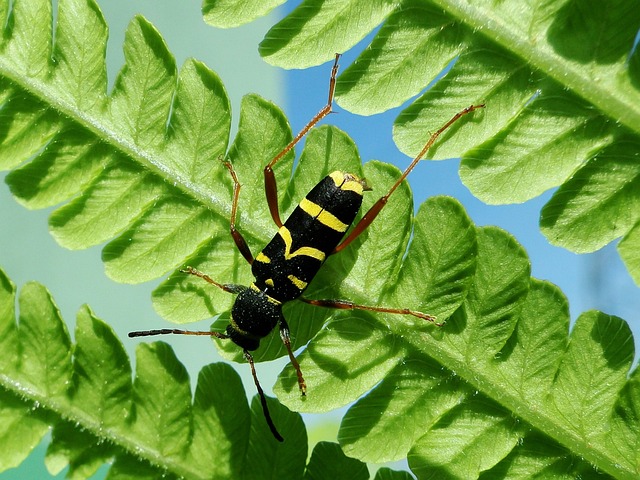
point(253, 315)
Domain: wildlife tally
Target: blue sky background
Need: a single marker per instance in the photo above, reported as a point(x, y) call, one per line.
point(28, 252)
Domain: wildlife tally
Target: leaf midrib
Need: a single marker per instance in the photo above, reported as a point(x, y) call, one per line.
point(99, 126)
point(480, 378)
point(68, 412)
point(622, 105)
point(485, 379)
point(476, 377)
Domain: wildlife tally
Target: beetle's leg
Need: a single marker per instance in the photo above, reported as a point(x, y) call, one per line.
point(286, 339)
point(227, 287)
point(263, 400)
point(270, 185)
point(346, 305)
point(373, 212)
point(235, 234)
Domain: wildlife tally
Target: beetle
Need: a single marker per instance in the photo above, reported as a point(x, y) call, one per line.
point(317, 228)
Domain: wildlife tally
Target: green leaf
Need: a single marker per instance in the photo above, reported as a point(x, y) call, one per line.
point(221, 424)
point(624, 439)
point(413, 397)
point(139, 104)
point(377, 262)
point(8, 328)
point(139, 169)
point(592, 373)
point(494, 301)
point(271, 459)
point(388, 474)
point(44, 344)
point(4, 12)
point(30, 32)
point(629, 249)
point(476, 438)
point(233, 13)
point(599, 203)
point(521, 366)
point(328, 461)
point(530, 359)
point(338, 26)
point(21, 429)
point(126, 467)
point(352, 353)
point(22, 424)
point(26, 127)
point(548, 141)
point(80, 73)
point(546, 458)
point(417, 384)
point(425, 32)
point(66, 166)
point(163, 416)
point(442, 260)
point(561, 95)
point(105, 391)
point(80, 451)
point(150, 427)
point(110, 203)
point(162, 239)
point(262, 131)
point(345, 360)
point(200, 124)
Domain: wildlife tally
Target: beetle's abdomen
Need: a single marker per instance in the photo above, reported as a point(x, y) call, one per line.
point(292, 258)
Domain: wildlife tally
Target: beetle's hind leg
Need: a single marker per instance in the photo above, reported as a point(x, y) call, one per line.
point(270, 185)
point(346, 305)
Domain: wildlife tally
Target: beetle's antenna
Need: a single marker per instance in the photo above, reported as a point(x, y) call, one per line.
point(247, 356)
point(175, 331)
point(263, 399)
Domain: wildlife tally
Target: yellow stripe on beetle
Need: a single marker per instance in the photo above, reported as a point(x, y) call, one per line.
point(323, 216)
point(235, 326)
point(270, 299)
point(301, 284)
point(349, 181)
point(285, 234)
point(263, 258)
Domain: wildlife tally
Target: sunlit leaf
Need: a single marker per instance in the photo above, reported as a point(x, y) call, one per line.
point(138, 168)
point(559, 79)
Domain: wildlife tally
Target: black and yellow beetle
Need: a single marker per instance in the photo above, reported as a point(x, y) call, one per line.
point(284, 268)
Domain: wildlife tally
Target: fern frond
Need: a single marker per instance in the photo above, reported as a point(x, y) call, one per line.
point(230, 13)
point(84, 395)
point(503, 376)
point(505, 372)
point(139, 167)
point(560, 81)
